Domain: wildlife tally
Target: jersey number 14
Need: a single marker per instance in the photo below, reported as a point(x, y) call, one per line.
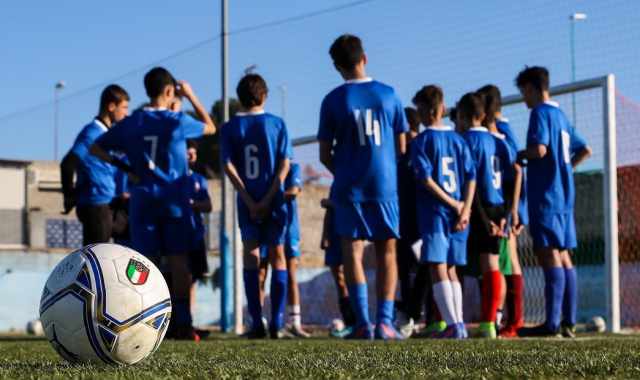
point(367, 126)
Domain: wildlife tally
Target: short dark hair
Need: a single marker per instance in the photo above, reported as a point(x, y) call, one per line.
point(493, 94)
point(537, 76)
point(112, 94)
point(412, 116)
point(156, 80)
point(470, 106)
point(191, 143)
point(430, 97)
point(346, 51)
point(252, 90)
point(453, 114)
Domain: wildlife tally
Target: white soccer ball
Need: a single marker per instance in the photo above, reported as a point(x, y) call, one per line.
point(337, 325)
point(105, 303)
point(596, 324)
point(34, 327)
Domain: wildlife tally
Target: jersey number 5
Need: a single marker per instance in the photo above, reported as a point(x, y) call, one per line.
point(367, 126)
point(450, 185)
point(251, 162)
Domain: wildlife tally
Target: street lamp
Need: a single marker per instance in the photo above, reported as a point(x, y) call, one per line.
point(56, 100)
point(576, 17)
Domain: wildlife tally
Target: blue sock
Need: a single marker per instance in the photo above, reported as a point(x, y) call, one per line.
point(252, 291)
point(553, 293)
point(385, 312)
point(181, 312)
point(570, 301)
point(360, 303)
point(278, 298)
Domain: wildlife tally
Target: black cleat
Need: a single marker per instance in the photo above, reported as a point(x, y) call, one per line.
point(259, 333)
point(540, 331)
point(568, 331)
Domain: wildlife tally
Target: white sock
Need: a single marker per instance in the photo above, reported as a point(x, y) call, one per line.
point(294, 315)
point(499, 314)
point(443, 295)
point(457, 300)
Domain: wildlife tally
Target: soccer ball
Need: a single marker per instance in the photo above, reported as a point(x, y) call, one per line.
point(596, 324)
point(105, 303)
point(34, 327)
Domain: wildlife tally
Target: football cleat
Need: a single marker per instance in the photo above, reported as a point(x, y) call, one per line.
point(406, 326)
point(508, 332)
point(451, 332)
point(361, 333)
point(342, 333)
point(463, 330)
point(487, 330)
point(280, 334)
point(568, 331)
point(386, 331)
point(257, 333)
point(540, 331)
point(297, 331)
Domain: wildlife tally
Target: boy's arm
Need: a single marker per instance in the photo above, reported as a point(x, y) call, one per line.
point(442, 195)
point(465, 214)
point(401, 144)
point(201, 112)
point(580, 156)
point(292, 192)
point(276, 185)
point(326, 155)
point(517, 191)
point(533, 152)
point(67, 171)
point(232, 173)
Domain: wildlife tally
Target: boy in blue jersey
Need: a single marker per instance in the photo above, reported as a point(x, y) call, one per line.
point(95, 186)
point(443, 167)
point(154, 140)
point(514, 297)
point(488, 223)
point(120, 206)
point(256, 153)
point(361, 131)
point(554, 149)
point(331, 244)
point(292, 188)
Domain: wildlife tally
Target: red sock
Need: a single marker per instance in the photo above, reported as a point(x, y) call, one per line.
point(517, 318)
point(490, 295)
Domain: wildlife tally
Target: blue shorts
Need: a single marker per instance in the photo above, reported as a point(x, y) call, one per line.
point(155, 230)
point(367, 220)
point(553, 230)
point(291, 250)
point(269, 232)
point(441, 244)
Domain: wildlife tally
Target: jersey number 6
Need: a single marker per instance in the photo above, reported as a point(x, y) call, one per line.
point(251, 162)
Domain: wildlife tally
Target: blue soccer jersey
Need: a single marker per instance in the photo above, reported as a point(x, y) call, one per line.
point(361, 118)
point(121, 178)
point(154, 141)
point(95, 182)
point(256, 144)
point(197, 190)
point(293, 179)
point(493, 162)
point(441, 154)
point(551, 188)
point(503, 127)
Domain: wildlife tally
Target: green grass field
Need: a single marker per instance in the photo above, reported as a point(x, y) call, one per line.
point(599, 357)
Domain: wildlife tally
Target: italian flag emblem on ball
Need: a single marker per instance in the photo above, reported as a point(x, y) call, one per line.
point(137, 272)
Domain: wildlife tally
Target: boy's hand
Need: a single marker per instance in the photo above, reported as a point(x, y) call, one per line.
point(459, 208)
point(184, 89)
point(516, 227)
point(497, 230)
point(463, 221)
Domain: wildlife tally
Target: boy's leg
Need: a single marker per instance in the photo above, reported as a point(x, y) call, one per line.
point(515, 291)
point(491, 292)
point(279, 279)
point(386, 279)
point(570, 299)
point(353, 250)
point(443, 293)
point(181, 285)
point(251, 263)
point(295, 316)
point(262, 275)
point(344, 303)
point(554, 288)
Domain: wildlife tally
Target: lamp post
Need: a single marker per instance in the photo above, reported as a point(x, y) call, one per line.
point(576, 17)
point(56, 100)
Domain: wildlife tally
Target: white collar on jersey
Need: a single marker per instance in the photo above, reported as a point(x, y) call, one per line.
point(479, 129)
point(552, 103)
point(101, 124)
point(155, 109)
point(499, 135)
point(360, 80)
point(440, 128)
point(503, 119)
point(261, 112)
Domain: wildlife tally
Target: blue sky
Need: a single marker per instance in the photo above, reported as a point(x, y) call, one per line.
point(459, 45)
